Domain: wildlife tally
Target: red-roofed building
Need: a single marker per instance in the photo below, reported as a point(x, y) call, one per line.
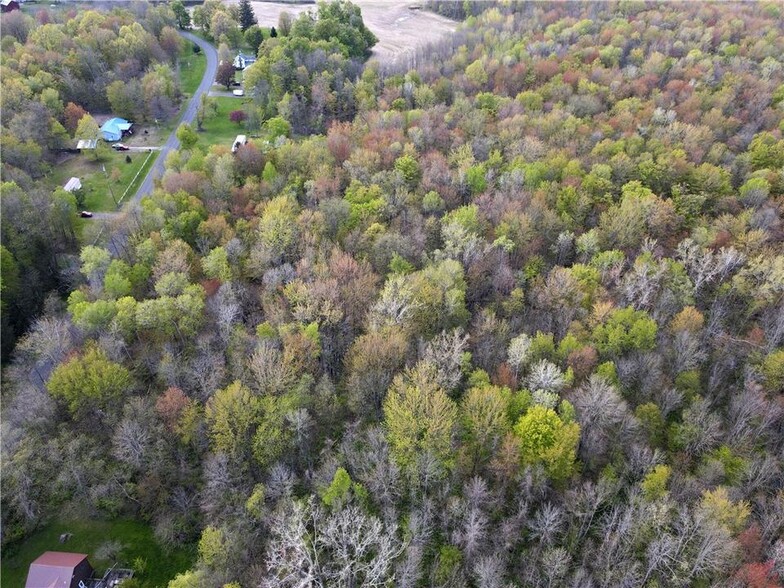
point(8, 5)
point(57, 569)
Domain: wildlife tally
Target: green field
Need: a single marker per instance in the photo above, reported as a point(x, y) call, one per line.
point(136, 540)
point(191, 70)
point(218, 129)
point(98, 186)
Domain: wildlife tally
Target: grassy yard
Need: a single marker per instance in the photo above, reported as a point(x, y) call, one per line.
point(191, 69)
point(135, 539)
point(96, 186)
point(218, 128)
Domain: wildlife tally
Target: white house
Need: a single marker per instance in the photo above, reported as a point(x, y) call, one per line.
point(243, 60)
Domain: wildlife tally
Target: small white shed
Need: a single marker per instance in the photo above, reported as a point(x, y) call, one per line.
point(72, 184)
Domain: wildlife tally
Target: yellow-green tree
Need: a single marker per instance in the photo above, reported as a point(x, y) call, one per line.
point(720, 508)
point(232, 414)
point(419, 417)
point(485, 420)
point(547, 439)
point(213, 551)
point(89, 381)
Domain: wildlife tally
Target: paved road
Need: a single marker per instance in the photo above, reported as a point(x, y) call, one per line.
point(156, 171)
point(115, 236)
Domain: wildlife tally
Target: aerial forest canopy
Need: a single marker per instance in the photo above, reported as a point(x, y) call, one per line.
point(512, 318)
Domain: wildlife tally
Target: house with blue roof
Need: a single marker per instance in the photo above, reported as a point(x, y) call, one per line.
point(113, 129)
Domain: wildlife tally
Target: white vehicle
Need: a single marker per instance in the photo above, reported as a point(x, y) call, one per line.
point(238, 142)
point(239, 92)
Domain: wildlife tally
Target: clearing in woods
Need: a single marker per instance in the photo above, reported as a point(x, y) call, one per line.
point(401, 27)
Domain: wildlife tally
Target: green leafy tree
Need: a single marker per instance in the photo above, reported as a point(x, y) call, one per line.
point(773, 371)
point(484, 412)
point(181, 14)
point(338, 490)
point(87, 128)
point(277, 227)
point(654, 485)
point(409, 168)
point(476, 73)
point(547, 440)
point(124, 98)
point(342, 21)
point(9, 278)
point(625, 330)
point(187, 136)
point(188, 579)
point(89, 381)
point(216, 264)
point(95, 263)
point(213, 551)
point(419, 417)
point(278, 126)
point(718, 506)
point(254, 37)
point(232, 414)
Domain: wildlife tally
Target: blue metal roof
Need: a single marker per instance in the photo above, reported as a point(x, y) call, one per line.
point(116, 125)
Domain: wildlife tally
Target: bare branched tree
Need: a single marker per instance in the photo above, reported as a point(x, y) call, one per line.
point(313, 548)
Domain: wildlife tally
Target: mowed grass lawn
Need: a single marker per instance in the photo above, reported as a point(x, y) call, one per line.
point(192, 66)
point(96, 186)
point(135, 538)
point(218, 129)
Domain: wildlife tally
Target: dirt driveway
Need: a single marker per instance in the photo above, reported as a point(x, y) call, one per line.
point(400, 30)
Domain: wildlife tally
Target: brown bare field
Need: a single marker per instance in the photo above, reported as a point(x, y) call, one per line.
point(399, 28)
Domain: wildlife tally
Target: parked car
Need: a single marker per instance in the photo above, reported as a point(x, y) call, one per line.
point(239, 92)
point(120, 147)
point(86, 214)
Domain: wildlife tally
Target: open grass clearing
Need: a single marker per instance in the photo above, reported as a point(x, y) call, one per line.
point(191, 70)
point(135, 540)
point(98, 187)
point(218, 129)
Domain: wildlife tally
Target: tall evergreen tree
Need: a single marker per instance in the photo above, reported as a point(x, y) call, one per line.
point(247, 18)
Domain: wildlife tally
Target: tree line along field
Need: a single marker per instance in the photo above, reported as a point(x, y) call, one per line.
point(507, 316)
point(401, 27)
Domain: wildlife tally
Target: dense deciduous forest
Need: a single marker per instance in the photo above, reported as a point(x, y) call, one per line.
point(514, 318)
point(57, 67)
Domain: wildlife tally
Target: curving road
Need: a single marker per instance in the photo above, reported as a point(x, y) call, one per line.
point(115, 236)
point(156, 171)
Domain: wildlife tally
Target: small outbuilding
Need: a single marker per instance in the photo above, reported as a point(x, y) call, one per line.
point(73, 184)
point(243, 60)
point(86, 143)
point(9, 5)
point(113, 129)
point(58, 569)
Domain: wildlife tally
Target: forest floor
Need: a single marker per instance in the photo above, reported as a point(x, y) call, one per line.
point(132, 542)
point(401, 27)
